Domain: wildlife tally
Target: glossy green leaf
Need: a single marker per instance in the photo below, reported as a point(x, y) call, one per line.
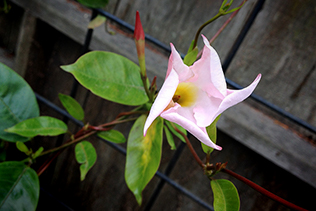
point(72, 106)
point(143, 155)
point(86, 156)
point(190, 58)
point(17, 103)
point(97, 21)
point(110, 76)
point(43, 126)
point(169, 138)
point(94, 3)
point(23, 148)
point(19, 187)
point(212, 133)
point(226, 196)
point(38, 152)
point(113, 136)
point(171, 128)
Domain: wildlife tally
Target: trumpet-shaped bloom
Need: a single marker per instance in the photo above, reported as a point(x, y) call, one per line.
point(194, 96)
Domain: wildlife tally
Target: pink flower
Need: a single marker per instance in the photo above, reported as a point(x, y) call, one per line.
point(194, 96)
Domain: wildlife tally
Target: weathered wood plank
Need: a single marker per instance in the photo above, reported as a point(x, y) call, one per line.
point(72, 20)
point(282, 46)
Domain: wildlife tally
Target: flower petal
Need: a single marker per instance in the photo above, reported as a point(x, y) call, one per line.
point(205, 109)
point(200, 133)
point(236, 96)
point(208, 72)
point(176, 63)
point(163, 98)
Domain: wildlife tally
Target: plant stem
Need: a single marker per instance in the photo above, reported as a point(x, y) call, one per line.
point(196, 157)
point(263, 191)
point(149, 94)
point(202, 27)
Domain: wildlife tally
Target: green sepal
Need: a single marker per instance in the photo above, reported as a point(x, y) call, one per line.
point(169, 138)
point(190, 58)
point(171, 128)
point(212, 133)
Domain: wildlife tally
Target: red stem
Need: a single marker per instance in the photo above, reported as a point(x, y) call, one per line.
point(263, 191)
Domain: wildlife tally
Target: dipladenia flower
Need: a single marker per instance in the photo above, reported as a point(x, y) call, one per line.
point(194, 96)
point(139, 37)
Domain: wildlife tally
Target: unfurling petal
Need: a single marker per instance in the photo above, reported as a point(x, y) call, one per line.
point(236, 96)
point(200, 133)
point(163, 99)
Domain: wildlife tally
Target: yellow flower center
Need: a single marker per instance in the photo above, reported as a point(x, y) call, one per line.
point(185, 94)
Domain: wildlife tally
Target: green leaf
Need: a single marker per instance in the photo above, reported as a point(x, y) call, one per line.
point(113, 136)
point(190, 58)
point(94, 3)
point(23, 148)
point(97, 21)
point(212, 133)
point(143, 155)
point(43, 125)
point(72, 106)
point(226, 196)
point(110, 76)
point(19, 187)
point(38, 152)
point(169, 124)
point(169, 138)
point(86, 156)
point(17, 103)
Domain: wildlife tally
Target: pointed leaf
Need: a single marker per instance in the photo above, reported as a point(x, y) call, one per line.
point(43, 125)
point(23, 148)
point(72, 106)
point(97, 21)
point(169, 138)
point(143, 155)
point(110, 76)
point(19, 187)
point(86, 156)
point(17, 103)
point(38, 152)
point(113, 136)
point(169, 124)
point(226, 196)
point(212, 133)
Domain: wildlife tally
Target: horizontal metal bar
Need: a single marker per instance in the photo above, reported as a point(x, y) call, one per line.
point(259, 99)
point(123, 151)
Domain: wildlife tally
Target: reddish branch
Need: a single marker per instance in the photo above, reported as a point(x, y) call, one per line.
point(263, 191)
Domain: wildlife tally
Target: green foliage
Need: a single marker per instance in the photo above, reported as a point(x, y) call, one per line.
point(171, 128)
point(97, 21)
point(94, 3)
point(72, 106)
point(110, 76)
point(86, 156)
point(43, 125)
point(143, 155)
point(113, 136)
point(19, 187)
point(169, 138)
point(190, 58)
point(226, 197)
point(17, 103)
point(23, 148)
point(212, 133)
